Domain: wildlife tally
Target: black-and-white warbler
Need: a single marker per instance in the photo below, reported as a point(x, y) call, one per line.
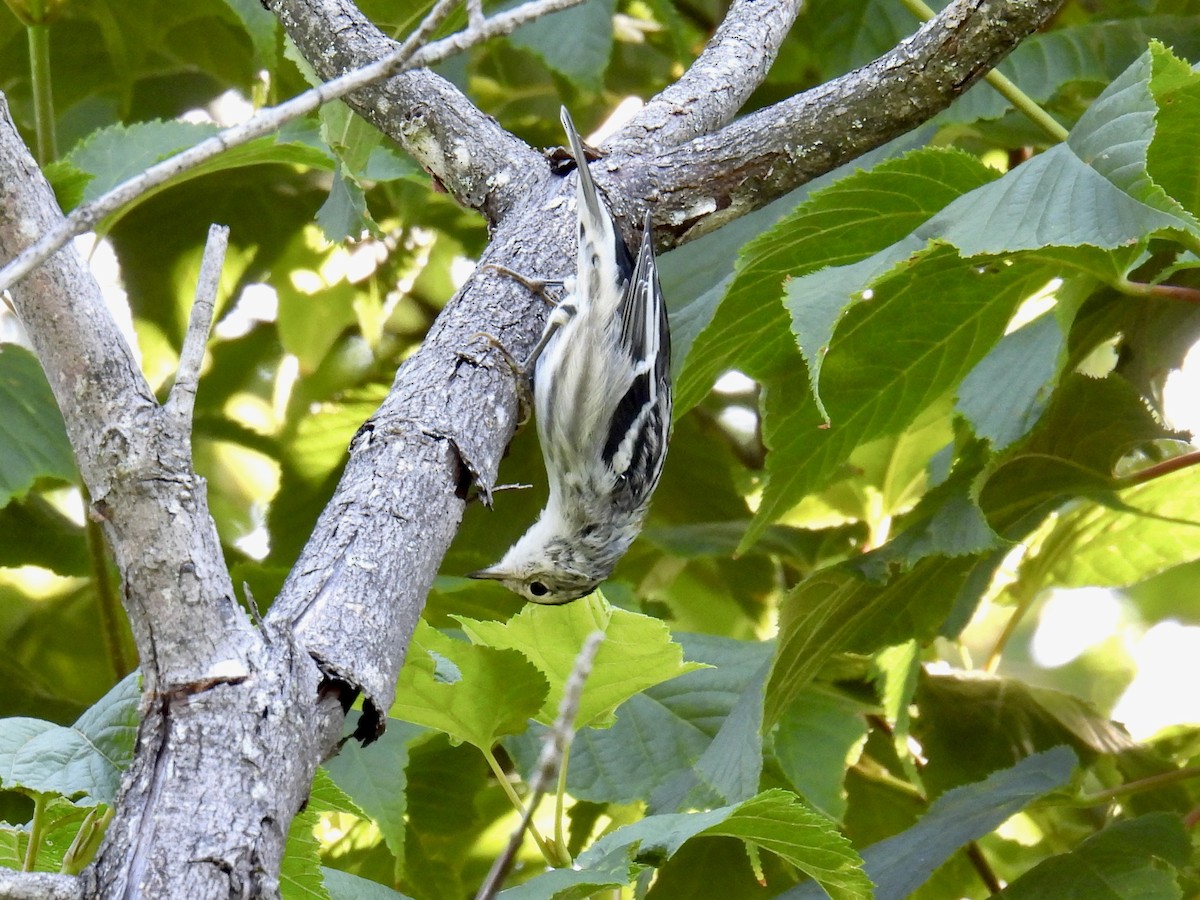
point(602, 397)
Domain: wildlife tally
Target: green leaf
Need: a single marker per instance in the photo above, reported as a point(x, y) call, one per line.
point(17, 733)
point(854, 34)
point(946, 522)
point(1112, 139)
point(838, 609)
point(1088, 427)
point(1155, 527)
point(327, 796)
point(33, 532)
point(850, 220)
point(112, 155)
point(661, 732)
point(901, 864)
point(730, 768)
point(344, 886)
point(695, 279)
point(1006, 392)
point(612, 871)
point(774, 820)
point(722, 538)
point(375, 779)
point(33, 439)
point(926, 326)
point(313, 318)
point(472, 693)
point(898, 200)
point(300, 870)
point(61, 822)
point(637, 652)
point(1093, 190)
point(1095, 52)
point(1133, 858)
point(574, 42)
point(778, 822)
point(344, 212)
point(1171, 160)
point(83, 763)
point(1003, 719)
point(262, 27)
point(819, 736)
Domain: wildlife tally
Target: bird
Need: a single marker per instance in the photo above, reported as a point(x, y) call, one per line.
point(602, 403)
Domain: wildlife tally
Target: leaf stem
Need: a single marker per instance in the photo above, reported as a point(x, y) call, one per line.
point(37, 827)
point(502, 777)
point(560, 840)
point(1004, 86)
point(1149, 783)
point(1158, 470)
point(107, 603)
point(1165, 291)
point(1024, 602)
point(43, 97)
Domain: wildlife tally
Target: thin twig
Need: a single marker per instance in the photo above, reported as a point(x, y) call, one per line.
point(558, 741)
point(498, 25)
point(1166, 291)
point(270, 120)
point(1149, 783)
point(983, 868)
point(182, 399)
point(1158, 470)
point(475, 13)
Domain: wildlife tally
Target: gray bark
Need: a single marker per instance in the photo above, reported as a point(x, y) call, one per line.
point(245, 709)
point(223, 703)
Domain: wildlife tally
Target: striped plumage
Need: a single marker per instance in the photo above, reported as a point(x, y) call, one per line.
point(602, 396)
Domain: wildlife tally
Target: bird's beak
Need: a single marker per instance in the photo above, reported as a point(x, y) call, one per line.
point(488, 575)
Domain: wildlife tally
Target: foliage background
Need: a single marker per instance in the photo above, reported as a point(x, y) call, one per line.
point(956, 352)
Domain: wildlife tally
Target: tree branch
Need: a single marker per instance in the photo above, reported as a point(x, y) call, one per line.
point(135, 462)
point(182, 400)
point(39, 886)
point(715, 179)
point(468, 153)
point(213, 680)
point(711, 92)
point(443, 428)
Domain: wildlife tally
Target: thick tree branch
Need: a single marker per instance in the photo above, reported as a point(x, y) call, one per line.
point(211, 681)
point(442, 430)
point(468, 153)
point(717, 178)
point(134, 460)
point(39, 886)
point(711, 92)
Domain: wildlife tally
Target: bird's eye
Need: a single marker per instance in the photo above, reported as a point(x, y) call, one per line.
point(538, 589)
